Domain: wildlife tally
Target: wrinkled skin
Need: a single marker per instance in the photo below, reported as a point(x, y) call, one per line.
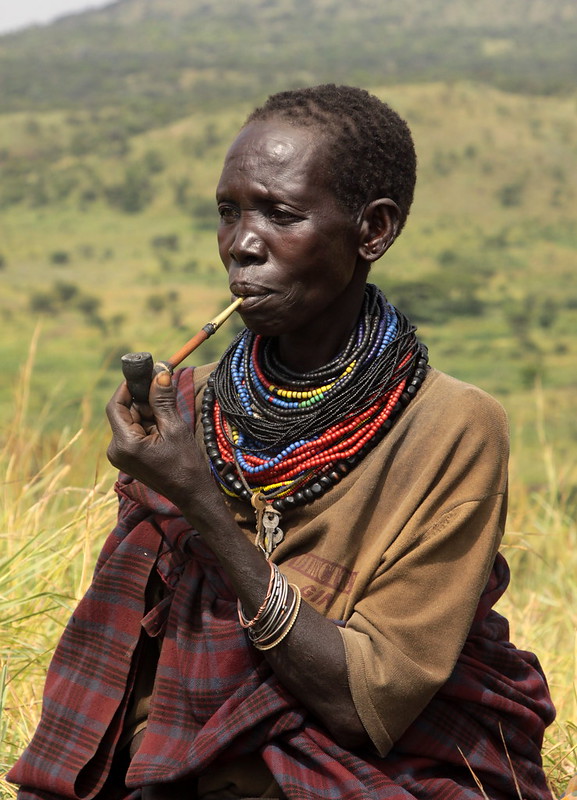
point(288, 245)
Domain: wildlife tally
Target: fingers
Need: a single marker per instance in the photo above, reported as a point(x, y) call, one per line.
point(125, 424)
point(118, 409)
point(152, 442)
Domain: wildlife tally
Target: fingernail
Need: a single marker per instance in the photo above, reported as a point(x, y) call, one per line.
point(164, 378)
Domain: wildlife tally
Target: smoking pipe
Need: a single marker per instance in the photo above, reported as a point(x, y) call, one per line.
point(139, 368)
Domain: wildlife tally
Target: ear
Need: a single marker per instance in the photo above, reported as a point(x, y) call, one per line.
point(379, 224)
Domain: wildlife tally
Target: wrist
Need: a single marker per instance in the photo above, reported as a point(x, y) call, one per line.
point(204, 507)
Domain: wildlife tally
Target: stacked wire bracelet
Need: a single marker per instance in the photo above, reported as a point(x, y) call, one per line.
point(277, 614)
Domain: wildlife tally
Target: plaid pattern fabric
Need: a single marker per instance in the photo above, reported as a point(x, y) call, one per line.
point(216, 697)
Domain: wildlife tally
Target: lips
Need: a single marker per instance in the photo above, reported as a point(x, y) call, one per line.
point(251, 301)
point(252, 294)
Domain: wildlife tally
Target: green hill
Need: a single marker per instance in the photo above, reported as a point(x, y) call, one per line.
point(110, 241)
point(164, 59)
point(114, 123)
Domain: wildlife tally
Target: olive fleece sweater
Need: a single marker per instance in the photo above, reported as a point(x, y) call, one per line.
point(401, 549)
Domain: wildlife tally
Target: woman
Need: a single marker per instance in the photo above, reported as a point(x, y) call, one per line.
point(370, 665)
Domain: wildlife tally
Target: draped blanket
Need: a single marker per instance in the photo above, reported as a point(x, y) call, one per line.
point(216, 698)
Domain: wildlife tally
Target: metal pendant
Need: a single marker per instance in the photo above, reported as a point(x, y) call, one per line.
point(268, 531)
point(273, 535)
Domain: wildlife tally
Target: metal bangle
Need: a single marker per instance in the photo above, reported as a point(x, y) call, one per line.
point(250, 623)
point(290, 623)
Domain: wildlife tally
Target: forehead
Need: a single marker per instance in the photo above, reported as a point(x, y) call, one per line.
point(273, 151)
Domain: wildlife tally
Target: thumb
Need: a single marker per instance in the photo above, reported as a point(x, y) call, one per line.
point(162, 398)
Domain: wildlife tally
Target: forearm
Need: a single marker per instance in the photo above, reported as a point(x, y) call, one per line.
point(310, 661)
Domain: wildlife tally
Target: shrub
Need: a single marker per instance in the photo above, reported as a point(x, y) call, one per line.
point(156, 303)
point(134, 193)
point(547, 313)
point(511, 194)
point(181, 188)
point(64, 291)
point(88, 304)
point(447, 258)
point(43, 303)
point(153, 161)
point(170, 241)
point(59, 257)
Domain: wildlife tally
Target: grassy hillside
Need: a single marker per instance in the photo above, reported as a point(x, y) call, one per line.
point(111, 246)
point(161, 59)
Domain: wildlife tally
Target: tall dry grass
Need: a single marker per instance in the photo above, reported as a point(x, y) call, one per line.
point(55, 512)
point(541, 547)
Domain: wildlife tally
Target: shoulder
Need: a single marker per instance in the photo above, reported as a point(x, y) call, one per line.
point(458, 405)
point(455, 430)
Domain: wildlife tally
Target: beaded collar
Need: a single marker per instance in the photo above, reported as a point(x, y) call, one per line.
point(280, 439)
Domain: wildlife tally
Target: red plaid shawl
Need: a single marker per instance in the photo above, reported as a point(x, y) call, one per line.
point(216, 698)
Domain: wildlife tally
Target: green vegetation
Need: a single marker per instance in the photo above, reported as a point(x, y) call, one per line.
point(127, 256)
point(113, 127)
point(159, 61)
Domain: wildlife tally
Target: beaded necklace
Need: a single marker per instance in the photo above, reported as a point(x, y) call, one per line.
point(285, 437)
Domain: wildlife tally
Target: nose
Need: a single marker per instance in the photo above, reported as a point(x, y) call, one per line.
point(247, 246)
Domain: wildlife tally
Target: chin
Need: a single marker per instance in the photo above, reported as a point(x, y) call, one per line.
point(262, 329)
point(264, 325)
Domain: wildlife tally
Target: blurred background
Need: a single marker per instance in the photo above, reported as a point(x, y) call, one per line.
point(114, 122)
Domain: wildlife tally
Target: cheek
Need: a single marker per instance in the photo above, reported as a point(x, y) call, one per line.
point(222, 241)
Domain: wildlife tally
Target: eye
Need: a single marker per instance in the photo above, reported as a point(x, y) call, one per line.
point(228, 213)
point(281, 216)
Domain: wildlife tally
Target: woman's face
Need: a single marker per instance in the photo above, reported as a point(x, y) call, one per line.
point(289, 248)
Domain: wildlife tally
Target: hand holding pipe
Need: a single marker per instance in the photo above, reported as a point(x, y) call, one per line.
point(139, 368)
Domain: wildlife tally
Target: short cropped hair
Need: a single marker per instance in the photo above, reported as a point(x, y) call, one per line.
point(370, 151)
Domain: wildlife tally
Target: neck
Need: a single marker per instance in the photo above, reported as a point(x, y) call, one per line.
point(311, 348)
point(297, 354)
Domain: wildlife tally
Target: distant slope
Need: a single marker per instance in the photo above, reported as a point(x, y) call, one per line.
point(110, 242)
point(168, 57)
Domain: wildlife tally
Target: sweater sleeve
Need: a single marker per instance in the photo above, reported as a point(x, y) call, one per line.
point(407, 630)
